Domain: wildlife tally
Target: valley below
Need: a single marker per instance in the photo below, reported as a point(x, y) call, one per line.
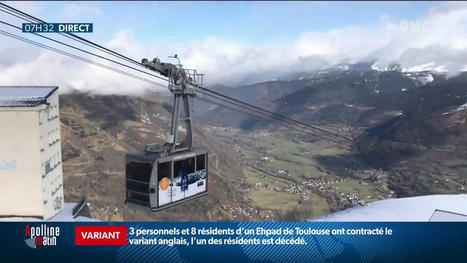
point(406, 139)
point(291, 175)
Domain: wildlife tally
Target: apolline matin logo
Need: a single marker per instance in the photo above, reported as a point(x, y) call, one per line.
point(41, 236)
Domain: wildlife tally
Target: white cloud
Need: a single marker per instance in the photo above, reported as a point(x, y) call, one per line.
point(50, 69)
point(438, 39)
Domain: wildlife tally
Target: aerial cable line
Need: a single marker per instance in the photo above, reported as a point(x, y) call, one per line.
point(259, 116)
point(269, 116)
point(247, 108)
point(101, 65)
point(225, 98)
point(27, 17)
point(96, 63)
point(31, 18)
point(79, 58)
point(276, 114)
point(87, 52)
point(202, 90)
point(22, 15)
point(97, 46)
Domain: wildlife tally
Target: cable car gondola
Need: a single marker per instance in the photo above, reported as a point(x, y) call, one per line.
point(162, 181)
point(163, 176)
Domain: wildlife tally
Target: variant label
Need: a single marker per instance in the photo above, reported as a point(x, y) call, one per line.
point(100, 235)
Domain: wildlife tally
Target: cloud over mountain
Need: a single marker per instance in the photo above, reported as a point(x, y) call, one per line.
point(437, 39)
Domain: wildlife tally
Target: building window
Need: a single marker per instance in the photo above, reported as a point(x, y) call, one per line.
point(56, 189)
point(57, 159)
point(42, 116)
point(57, 135)
point(57, 111)
point(48, 168)
point(52, 112)
point(52, 162)
point(53, 137)
point(42, 143)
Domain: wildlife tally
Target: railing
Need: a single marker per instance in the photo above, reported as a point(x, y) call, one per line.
point(196, 78)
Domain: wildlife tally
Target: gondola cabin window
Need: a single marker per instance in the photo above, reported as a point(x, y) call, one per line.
point(137, 181)
point(200, 162)
point(198, 178)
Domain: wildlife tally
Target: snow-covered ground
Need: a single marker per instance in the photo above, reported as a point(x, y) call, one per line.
point(459, 108)
point(420, 208)
point(64, 216)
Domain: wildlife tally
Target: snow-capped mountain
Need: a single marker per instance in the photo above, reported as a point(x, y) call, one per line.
point(419, 74)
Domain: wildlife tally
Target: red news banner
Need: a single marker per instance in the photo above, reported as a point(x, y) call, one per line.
point(100, 235)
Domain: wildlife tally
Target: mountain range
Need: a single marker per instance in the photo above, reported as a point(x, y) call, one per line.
point(411, 124)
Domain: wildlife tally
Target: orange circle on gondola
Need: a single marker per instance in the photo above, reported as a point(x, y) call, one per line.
point(164, 183)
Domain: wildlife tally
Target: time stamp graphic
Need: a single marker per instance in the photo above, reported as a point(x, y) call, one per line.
point(57, 27)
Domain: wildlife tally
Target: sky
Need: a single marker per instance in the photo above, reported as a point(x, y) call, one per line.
point(254, 22)
point(238, 42)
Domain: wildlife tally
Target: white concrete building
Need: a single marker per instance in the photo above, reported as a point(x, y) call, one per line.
point(31, 181)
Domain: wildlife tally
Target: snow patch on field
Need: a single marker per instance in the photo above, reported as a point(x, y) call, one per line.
point(64, 216)
point(420, 208)
point(460, 108)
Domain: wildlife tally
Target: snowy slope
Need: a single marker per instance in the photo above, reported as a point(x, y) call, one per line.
point(420, 208)
point(64, 216)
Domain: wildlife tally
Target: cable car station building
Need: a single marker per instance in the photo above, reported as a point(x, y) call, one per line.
point(31, 181)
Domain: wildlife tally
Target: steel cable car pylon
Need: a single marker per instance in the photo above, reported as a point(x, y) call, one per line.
point(168, 174)
point(179, 80)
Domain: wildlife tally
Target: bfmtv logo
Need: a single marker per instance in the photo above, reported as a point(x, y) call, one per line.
point(40, 236)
